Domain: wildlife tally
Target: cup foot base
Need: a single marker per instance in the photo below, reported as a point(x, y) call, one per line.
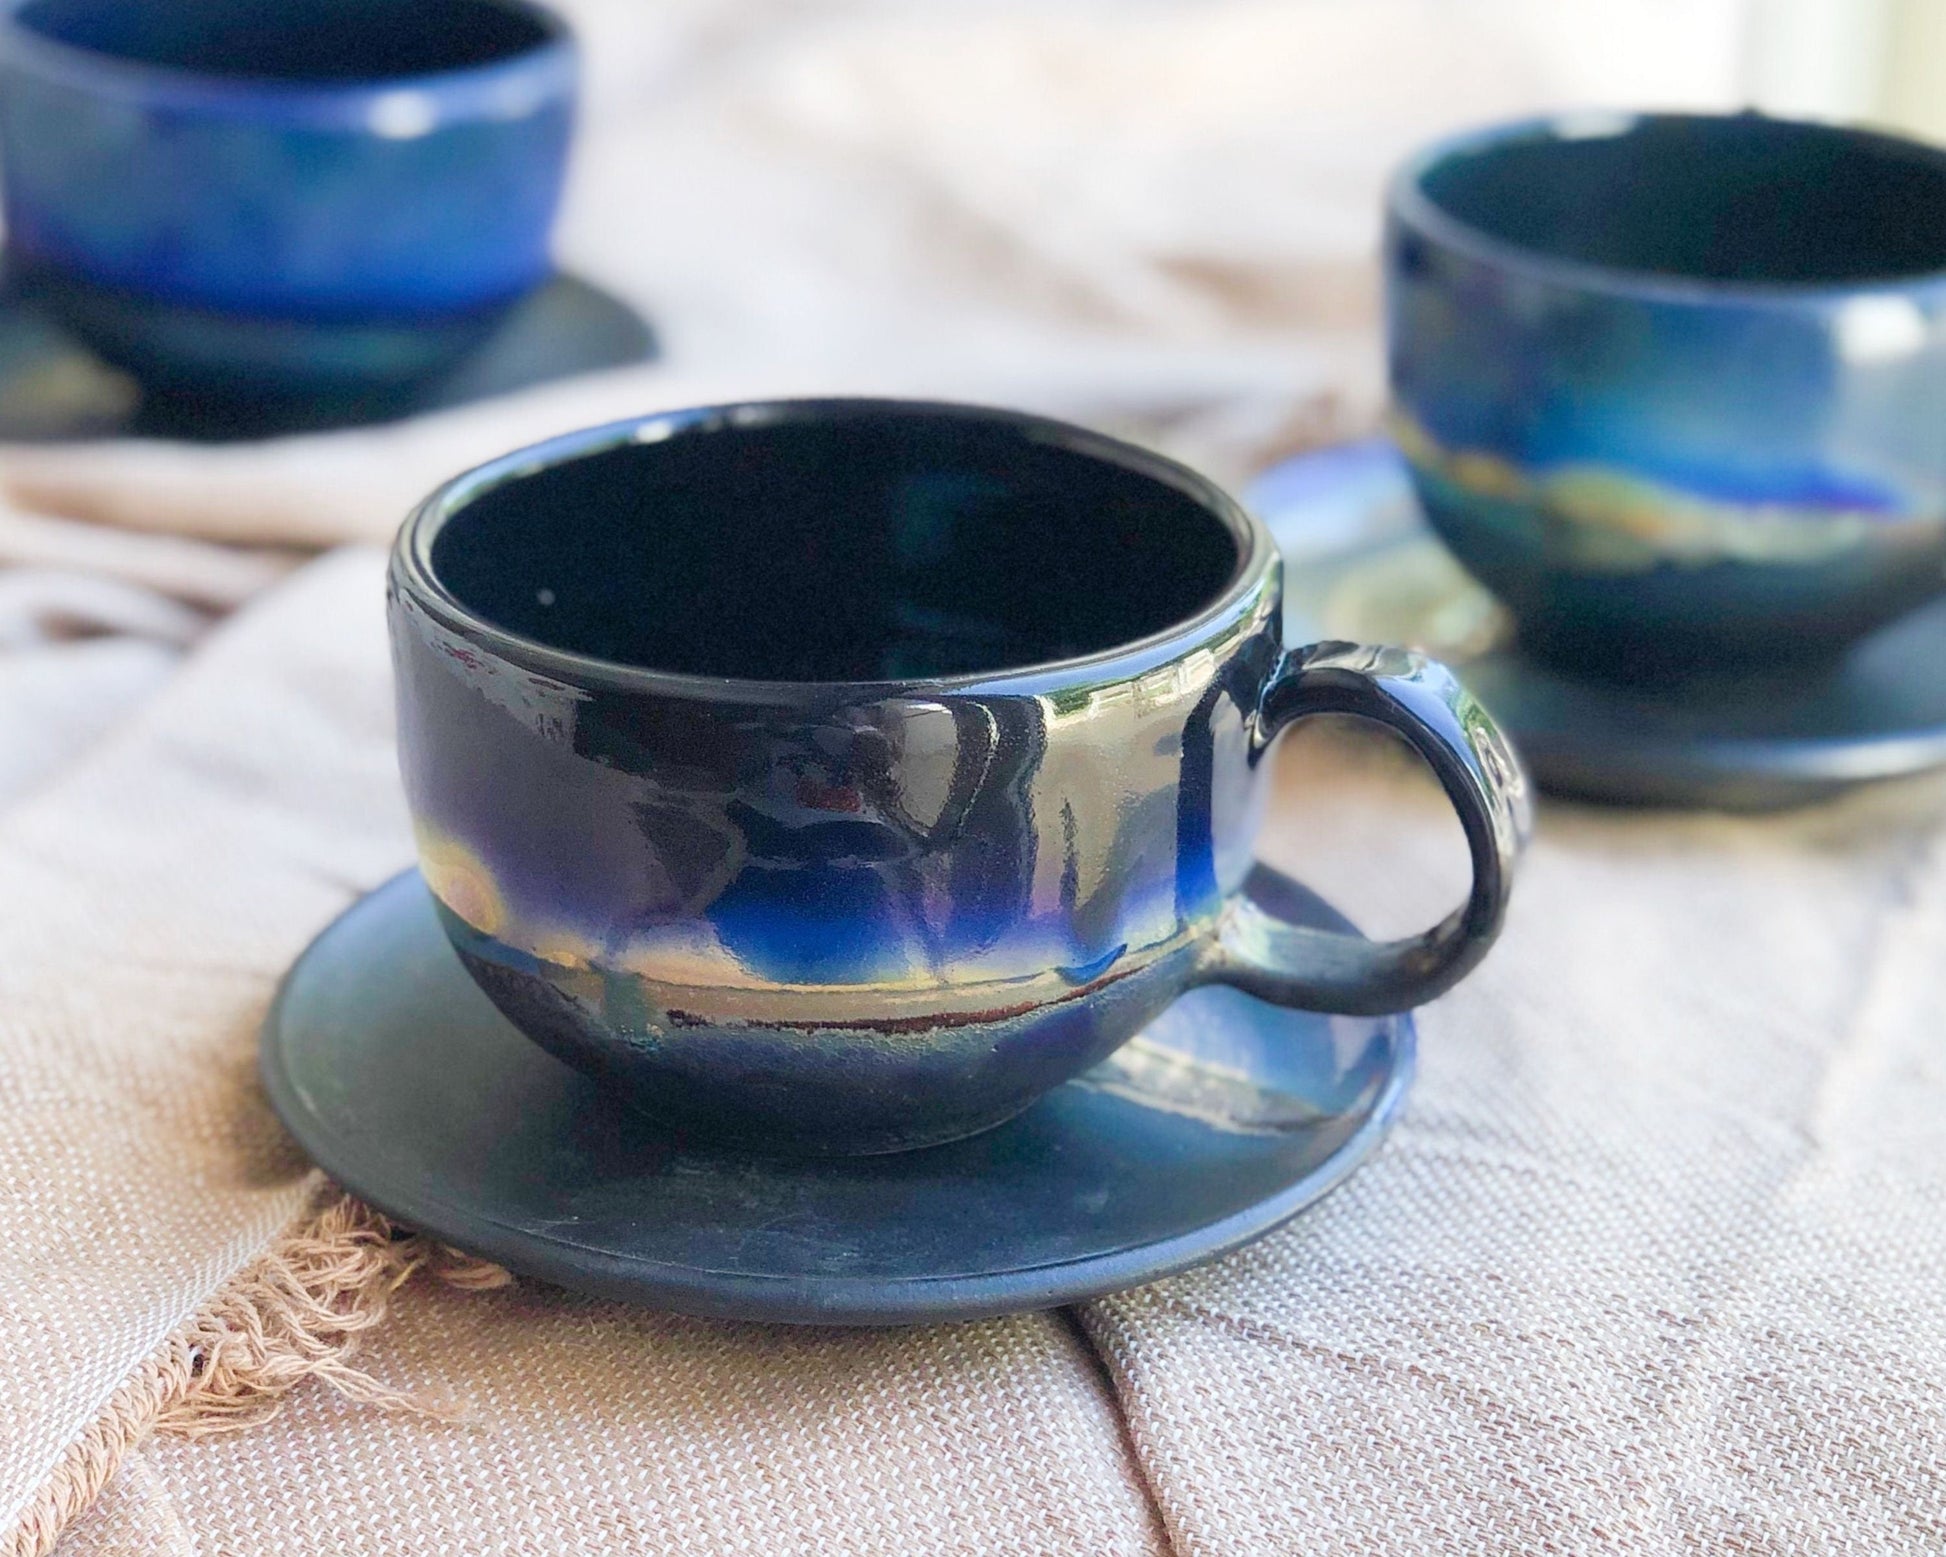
point(1669, 619)
point(808, 1090)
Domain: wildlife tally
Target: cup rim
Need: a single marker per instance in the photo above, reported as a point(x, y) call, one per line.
point(1407, 202)
point(505, 88)
point(412, 573)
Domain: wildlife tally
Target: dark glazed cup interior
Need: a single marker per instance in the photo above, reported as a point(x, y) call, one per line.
point(1671, 385)
point(295, 40)
point(1743, 199)
point(868, 550)
point(301, 197)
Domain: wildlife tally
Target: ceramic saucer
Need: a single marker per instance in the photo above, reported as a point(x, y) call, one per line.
point(52, 388)
point(1361, 564)
point(1221, 1121)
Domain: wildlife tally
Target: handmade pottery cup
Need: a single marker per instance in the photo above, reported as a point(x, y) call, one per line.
point(840, 776)
point(293, 197)
point(1674, 386)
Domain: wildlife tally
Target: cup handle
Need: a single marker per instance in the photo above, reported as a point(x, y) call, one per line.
point(1322, 970)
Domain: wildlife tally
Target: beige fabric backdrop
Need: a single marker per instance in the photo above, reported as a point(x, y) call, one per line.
point(1654, 1262)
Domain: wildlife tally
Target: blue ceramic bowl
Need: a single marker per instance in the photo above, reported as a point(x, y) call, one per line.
point(254, 195)
point(1674, 387)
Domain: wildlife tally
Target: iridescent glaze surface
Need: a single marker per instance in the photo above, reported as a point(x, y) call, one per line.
point(318, 189)
point(844, 775)
point(1361, 562)
point(1672, 386)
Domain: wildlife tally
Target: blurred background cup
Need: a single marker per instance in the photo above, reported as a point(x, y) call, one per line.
point(1674, 386)
point(300, 196)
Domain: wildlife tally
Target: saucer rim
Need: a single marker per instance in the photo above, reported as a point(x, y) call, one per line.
point(18, 299)
point(814, 1300)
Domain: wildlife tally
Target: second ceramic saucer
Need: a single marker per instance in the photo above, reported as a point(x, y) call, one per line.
point(1224, 1119)
point(53, 388)
point(1362, 565)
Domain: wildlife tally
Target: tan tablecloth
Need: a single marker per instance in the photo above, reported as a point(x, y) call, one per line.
point(1656, 1261)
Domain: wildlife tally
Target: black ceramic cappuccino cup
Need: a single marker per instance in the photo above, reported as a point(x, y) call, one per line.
point(843, 775)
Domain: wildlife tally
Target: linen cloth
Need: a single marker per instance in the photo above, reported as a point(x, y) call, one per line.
point(1654, 1262)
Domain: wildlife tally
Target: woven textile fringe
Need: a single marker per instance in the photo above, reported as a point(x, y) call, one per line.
point(298, 1313)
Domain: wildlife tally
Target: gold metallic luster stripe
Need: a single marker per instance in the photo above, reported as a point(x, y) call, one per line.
point(1609, 520)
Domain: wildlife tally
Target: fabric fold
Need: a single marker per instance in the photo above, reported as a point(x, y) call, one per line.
point(148, 900)
point(1651, 1264)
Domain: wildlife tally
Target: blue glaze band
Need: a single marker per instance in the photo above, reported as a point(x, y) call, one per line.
point(873, 913)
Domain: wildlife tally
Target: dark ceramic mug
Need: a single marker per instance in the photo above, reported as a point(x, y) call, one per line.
point(842, 775)
point(298, 196)
point(1674, 386)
